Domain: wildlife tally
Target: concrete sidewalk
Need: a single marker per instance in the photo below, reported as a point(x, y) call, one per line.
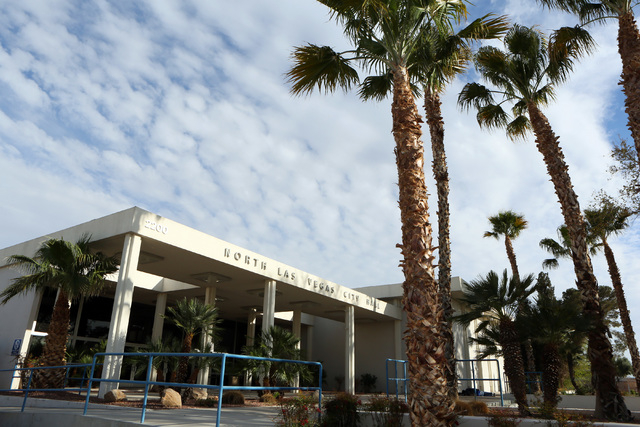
point(58, 413)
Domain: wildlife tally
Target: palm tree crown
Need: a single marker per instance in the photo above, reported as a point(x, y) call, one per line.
point(589, 11)
point(508, 224)
point(524, 75)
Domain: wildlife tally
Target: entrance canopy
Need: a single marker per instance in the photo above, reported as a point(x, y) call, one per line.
point(180, 261)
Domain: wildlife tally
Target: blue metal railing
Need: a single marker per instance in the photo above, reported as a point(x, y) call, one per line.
point(17, 374)
point(395, 379)
point(474, 378)
point(147, 382)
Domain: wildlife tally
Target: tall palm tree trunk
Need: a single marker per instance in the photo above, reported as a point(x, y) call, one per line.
point(572, 372)
point(429, 400)
point(614, 272)
point(528, 346)
point(551, 374)
point(629, 49)
point(512, 256)
point(183, 366)
point(609, 401)
point(513, 364)
point(432, 107)
point(55, 346)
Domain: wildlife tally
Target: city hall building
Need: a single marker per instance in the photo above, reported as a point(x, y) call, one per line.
point(351, 331)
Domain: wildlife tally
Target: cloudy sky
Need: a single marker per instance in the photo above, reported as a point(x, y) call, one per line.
point(182, 108)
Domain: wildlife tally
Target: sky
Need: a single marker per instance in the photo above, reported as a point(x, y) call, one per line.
point(182, 108)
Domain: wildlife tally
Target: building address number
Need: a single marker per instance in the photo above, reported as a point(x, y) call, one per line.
point(156, 226)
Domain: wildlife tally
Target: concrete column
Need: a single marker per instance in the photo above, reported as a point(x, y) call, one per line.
point(297, 329)
point(268, 305)
point(251, 338)
point(251, 326)
point(397, 328)
point(309, 342)
point(158, 324)
point(77, 322)
point(350, 350)
point(121, 310)
point(209, 298)
point(158, 317)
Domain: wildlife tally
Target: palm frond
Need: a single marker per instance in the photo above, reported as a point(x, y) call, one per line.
point(519, 127)
point(320, 67)
point(475, 95)
point(487, 27)
point(566, 46)
point(492, 116)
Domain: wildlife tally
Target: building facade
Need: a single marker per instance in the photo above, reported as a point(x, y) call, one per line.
point(351, 331)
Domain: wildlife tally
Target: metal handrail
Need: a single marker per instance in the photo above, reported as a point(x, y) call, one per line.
point(474, 379)
point(404, 380)
point(147, 382)
point(221, 387)
point(31, 370)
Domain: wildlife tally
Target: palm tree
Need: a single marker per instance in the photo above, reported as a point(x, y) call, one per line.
point(496, 301)
point(443, 58)
point(526, 74)
point(385, 34)
point(192, 315)
point(75, 272)
point(508, 224)
point(628, 47)
point(611, 219)
point(551, 323)
point(277, 343)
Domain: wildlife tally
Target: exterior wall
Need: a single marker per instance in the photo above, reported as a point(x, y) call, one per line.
point(375, 343)
point(17, 317)
point(328, 348)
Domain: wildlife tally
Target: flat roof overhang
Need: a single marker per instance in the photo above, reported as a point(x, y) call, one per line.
point(183, 262)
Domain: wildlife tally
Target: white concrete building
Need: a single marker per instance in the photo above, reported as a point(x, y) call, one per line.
point(352, 331)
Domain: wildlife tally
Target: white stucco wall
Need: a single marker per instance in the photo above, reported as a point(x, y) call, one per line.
point(375, 343)
point(17, 316)
point(328, 348)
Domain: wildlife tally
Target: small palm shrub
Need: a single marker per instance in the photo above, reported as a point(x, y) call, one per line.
point(368, 382)
point(233, 397)
point(210, 402)
point(341, 411)
point(479, 408)
point(463, 408)
point(269, 399)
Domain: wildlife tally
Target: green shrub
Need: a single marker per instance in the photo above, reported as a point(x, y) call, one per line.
point(233, 397)
point(298, 411)
point(341, 411)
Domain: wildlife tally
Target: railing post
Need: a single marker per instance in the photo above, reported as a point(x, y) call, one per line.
point(220, 391)
point(146, 388)
point(26, 392)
